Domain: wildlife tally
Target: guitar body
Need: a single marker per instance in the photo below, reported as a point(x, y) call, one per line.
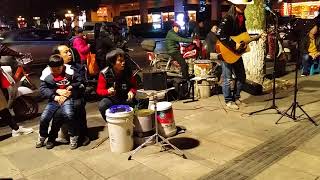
point(229, 55)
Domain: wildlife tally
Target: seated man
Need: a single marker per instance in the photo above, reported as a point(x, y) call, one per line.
point(58, 87)
point(116, 83)
point(71, 57)
point(172, 46)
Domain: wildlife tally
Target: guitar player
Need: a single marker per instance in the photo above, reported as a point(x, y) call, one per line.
point(233, 24)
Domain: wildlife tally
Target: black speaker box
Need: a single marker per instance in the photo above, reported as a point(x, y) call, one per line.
point(155, 80)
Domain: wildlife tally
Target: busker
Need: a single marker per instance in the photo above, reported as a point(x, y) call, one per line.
point(233, 24)
point(5, 84)
point(116, 83)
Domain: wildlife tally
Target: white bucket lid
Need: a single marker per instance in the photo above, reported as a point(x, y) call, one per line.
point(162, 106)
point(119, 114)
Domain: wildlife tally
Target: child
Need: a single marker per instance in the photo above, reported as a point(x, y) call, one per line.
point(57, 87)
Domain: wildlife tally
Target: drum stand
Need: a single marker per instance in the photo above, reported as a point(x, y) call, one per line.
point(165, 142)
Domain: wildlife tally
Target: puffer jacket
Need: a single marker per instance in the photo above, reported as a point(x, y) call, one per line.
point(172, 41)
point(48, 86)
point(81, 46)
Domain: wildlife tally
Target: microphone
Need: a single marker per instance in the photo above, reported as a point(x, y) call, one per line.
point(267, 8)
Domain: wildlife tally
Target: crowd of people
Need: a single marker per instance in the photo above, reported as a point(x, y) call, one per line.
point(64, 80)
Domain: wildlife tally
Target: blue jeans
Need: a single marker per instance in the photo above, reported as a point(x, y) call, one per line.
point(50, 110)
point(306, 63)
point(238, 70)
point(79, 123)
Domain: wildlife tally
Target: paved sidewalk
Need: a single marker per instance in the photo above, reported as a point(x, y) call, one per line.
point(218, 143)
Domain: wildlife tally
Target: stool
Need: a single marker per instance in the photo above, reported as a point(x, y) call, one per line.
point(315, 67)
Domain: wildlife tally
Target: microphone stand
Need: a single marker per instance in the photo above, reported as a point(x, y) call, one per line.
point(273, 106)
point(295, 104)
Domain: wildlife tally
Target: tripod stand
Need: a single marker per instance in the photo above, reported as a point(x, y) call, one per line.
point(165, 142)
point(273, 106)
point(295, 104)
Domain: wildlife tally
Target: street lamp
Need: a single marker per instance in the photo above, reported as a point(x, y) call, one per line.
point(69, 17)
point(69, 14)
point(21, 22)
point(20, 18)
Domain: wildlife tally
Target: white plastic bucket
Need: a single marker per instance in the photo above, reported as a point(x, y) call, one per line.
point(120, 127)
point(143, 121)
point(203, 89)
point(165, 119)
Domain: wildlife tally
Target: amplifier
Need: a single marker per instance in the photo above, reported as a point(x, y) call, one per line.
point(155, 80)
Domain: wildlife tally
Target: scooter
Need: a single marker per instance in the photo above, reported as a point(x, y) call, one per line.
point(19, 94)
point(164, 62)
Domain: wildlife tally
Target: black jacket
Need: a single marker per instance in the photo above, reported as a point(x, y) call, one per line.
point(48, 86)
point(104, 44)
point(211, 41)
point(230, 27)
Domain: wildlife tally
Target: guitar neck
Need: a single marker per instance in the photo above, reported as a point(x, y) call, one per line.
point(253, 39)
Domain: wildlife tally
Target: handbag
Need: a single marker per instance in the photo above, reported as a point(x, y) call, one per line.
point(92, 65)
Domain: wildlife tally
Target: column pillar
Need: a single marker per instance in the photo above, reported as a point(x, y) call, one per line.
point(143, 11)
point(214, 10)
point(178, 6)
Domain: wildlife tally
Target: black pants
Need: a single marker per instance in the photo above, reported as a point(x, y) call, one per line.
point(182, 62)
point(8, 119)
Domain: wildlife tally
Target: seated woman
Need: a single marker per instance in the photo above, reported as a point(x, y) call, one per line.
point(116, 83)
point(310, 49)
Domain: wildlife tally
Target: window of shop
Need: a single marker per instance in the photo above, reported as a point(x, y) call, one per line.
point(132, 20)
point(192, 15)
point(167, 16)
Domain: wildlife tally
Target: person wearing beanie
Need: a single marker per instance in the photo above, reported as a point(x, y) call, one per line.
point(172, 46)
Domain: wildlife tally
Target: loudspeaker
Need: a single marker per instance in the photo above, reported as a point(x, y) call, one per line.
point(155, 80)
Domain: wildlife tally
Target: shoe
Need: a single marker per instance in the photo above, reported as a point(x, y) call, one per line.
point(303, 75)
point(21, 131)
point(232, 105)
point(50, 144)
point(73, 142)
point(40, 142)
point(238, 102)
point(62, 140)
point(85, 141)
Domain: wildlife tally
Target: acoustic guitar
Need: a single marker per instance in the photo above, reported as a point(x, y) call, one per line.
point(229, 55)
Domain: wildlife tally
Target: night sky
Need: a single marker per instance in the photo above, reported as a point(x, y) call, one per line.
point(42, 8)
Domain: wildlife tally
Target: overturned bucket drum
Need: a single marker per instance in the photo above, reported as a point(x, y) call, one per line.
point(143, 126)
point(165, 119)
point(120, 127)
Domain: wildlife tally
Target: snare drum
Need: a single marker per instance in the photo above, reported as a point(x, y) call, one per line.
point(202, 68)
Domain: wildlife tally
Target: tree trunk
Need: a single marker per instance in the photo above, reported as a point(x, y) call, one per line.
point(254, 60)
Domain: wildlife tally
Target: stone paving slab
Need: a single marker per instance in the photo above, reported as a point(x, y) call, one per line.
point(140, 172)
point(63, 171)
point(246, 147)
point(281, 172)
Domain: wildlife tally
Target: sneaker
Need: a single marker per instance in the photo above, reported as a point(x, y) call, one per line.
point(40, 142)
point(85, 141)
point(73, 142)
point(50, 144)
point(232, 105)
point(21, 131)
point(240, 103)
point(62, 140)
